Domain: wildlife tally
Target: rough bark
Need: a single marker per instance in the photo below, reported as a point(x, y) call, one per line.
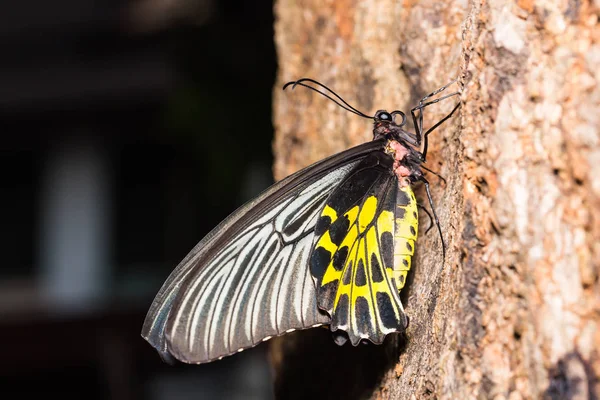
point(514, 311)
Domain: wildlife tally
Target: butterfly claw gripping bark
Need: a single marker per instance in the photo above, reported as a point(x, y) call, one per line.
point(329, 245)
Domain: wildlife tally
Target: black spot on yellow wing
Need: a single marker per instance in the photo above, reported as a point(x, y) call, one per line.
point(319, 260)
point(387, 249)
point(347, 277)
point(401, 280)
point(400, 213)
point(328, 216)
point(339, 258)
point(364, 317)
point(386, 310)
point(376, 271)
point(339, 229)
point(361, 278)
point(340, 319)
point(322, 225)
point(403, 198)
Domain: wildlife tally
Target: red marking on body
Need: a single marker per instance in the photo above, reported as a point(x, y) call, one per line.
point(399, 152)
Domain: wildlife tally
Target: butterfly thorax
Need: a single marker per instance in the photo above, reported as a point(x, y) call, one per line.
point(407, 160)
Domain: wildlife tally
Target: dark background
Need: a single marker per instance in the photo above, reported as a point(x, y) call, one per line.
point(129, 130)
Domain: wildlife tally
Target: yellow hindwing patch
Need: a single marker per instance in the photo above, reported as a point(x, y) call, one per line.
point(361, 260)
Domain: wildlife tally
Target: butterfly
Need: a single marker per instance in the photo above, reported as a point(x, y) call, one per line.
point(330, 245)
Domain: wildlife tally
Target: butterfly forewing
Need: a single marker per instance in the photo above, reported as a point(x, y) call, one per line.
point(249, 278)
point(258, 272)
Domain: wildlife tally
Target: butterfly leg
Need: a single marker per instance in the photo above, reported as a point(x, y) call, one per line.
point(418, 120)
point(430, 218)
point(437, 222)
point(435, 173)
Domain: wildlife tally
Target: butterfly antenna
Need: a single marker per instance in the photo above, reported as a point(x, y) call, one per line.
point(429, 215)
point(344, 104)
point(329, 90)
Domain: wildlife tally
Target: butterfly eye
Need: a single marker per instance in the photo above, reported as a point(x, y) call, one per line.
point(384, 116)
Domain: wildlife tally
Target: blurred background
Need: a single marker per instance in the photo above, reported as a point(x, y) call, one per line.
point(130, 128)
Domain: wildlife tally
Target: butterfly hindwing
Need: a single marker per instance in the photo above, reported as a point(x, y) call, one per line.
point(353, 259)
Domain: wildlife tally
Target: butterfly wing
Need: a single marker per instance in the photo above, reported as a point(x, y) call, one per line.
point(354, 256)
point(248, 279)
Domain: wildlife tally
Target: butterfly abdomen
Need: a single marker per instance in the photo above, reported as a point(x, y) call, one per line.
point(405, 234)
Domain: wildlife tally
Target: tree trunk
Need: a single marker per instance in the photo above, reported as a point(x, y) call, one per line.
point(513, 313)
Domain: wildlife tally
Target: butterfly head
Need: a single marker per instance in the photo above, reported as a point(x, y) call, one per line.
point(386, 125)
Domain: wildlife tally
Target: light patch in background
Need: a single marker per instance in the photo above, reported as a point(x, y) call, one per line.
point(75, 216)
